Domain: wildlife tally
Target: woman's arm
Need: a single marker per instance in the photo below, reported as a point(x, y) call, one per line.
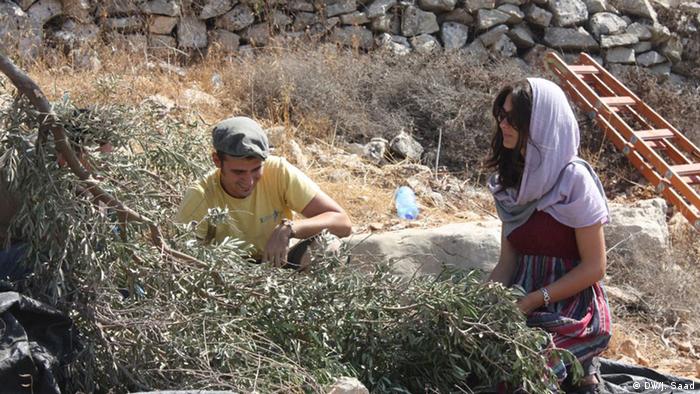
point(505, 269)
point(591, 247)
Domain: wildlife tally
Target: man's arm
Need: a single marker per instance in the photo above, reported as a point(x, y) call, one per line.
point(322, 212)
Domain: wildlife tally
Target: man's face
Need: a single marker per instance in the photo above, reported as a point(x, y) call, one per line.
point(239, 175)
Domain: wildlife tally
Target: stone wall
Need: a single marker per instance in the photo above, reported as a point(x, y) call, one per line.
point(616, 31)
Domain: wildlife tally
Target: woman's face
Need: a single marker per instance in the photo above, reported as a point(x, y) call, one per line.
point(510, 133)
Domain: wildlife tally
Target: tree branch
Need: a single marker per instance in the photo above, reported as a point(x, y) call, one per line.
point(26, 86)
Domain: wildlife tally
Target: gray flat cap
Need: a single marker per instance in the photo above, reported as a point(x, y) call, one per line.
point(240, 137)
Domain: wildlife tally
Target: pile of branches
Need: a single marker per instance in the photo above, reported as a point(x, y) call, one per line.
point(203, 317)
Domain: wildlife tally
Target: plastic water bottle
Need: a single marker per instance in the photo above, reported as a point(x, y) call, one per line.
point(406, 206)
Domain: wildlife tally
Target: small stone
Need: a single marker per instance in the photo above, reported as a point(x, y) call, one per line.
point(375, 150)
point(376, 226)
point(425, 43)
point(405, 146)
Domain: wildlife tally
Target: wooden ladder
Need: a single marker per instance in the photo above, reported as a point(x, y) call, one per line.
point(666, 158)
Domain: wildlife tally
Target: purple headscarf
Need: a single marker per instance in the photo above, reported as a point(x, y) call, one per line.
point(555, 180)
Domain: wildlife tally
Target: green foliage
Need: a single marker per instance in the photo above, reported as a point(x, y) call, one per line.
point(231, 324)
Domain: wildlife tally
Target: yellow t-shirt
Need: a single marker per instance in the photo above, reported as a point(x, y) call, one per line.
point(282, 188)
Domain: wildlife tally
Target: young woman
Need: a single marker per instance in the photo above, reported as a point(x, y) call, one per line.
point(553, 208)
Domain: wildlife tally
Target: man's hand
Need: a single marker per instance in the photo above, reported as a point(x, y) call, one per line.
point(278, 246)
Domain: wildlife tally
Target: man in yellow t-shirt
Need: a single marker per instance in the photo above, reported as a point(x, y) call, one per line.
point(261, 192)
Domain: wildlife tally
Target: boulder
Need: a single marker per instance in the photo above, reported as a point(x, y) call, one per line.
point(454, 35)
point(516, 15)
point(651, 58)
point(621, 55)
point(379, 7)
point(639, 230)
point(44, 10)
point(643, 32)
point(398, 45)
point(568, 12)
point(338, 7)
point(606, 23)
point(659, 33)
point(473, 6)
point(486, 19)
point(537, 16)
point(437, 5)
point(642, 46)
point(191, 33)
point(617, 40)
point(596, 6)
point(416, 21)
point(505, 47)
point(492, 36)
point(162, 24)
point(256, 35)
point(214, 8)
point(425, 43)
point(347, 385)
point(641, 8)
point(356, 18)
point(375, 150)
point(404, 146)
point(160, 7)
point(459, 15)
point(240, 17)
point(353, 36)
point(569, 39)
point(389, 23)
point(673, 49)
point(428, 251)
point(522, 36)
point(226, 40)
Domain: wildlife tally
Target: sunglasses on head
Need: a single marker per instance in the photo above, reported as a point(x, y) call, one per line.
point(503, 114)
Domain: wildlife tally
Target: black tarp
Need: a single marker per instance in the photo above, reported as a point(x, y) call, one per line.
point(619, 378)
point(35, 342)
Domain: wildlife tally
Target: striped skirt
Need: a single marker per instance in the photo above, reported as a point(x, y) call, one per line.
point(580, 324)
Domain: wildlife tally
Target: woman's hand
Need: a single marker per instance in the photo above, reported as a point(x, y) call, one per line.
point(530, 302)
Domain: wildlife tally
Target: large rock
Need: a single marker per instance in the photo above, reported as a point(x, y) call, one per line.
point(279, 19)
point(492, 36)
point(44, 10)
point(486, 19)
point(300, 5)
point(640, 8)
point(659, 33)
point(425, 43)
point(569, 39)
point(642, 46)
point(388, 23)
point(416, 21)
point(516, 15)
point(606, 23)
point(643, 32)
point(240, 17)
point(78, 10)
point(522, 36)
point(639, 230)
point(650, 58)
point(673, 49)
point(538, 16)
point(214, 8)
point(398, 45)
point(354, 18)
point(347, 385)
point(568, 12)
point(161, 7)
point(505, 47)
point(621, 55)
point(405, 146)
point(353, 36)
point(338, 7)
point(162, 24)
point(458, 245)
point(454, 35)
point(618, 40)
point(477, 51)
point(437, 5)
point(596, 6)
point(379, 7)
point(191, 33)
point(473, 6)
point(459, 15)
point(256, 35)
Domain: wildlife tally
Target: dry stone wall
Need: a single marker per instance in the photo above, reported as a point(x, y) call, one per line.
point(616, 31)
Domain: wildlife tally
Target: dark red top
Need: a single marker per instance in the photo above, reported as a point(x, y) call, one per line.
point(542, 235)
